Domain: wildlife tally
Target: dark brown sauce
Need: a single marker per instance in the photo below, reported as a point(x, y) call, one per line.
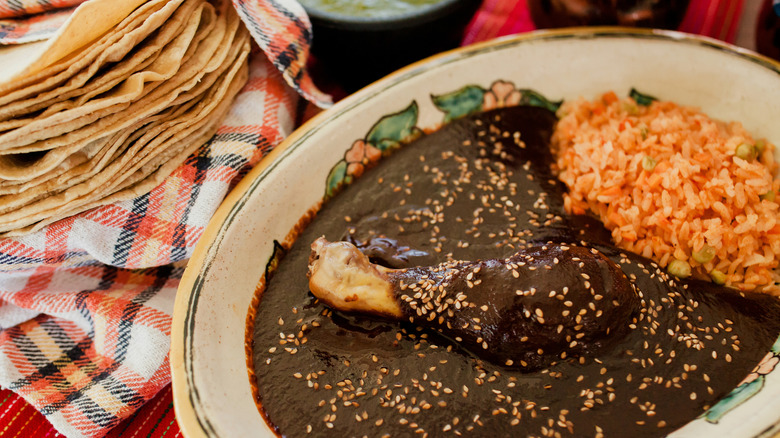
point(475, 191)
point(545, 302)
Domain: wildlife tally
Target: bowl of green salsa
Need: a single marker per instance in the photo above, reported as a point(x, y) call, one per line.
point(360, 41)
point(368, 8)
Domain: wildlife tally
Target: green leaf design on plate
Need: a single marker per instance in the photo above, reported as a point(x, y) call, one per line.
point(394, 128)
point(641, 98)
point(533, 98)
point(335, 178)
point(467, 100)
point(735, 398)
point(745, 391)
point(276, 257)
point(387, 145)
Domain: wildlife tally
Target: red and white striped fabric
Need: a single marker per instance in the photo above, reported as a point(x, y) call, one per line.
point(86, 303)
point(27, 30)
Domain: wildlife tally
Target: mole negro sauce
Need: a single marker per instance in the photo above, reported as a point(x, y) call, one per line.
point(482, 187)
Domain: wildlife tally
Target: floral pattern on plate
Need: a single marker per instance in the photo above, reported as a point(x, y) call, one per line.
point(471, 99)
point(749, 387)
point(393, 130)
point(386, 135)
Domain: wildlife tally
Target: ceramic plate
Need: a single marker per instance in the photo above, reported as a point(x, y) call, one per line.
point(210, 380)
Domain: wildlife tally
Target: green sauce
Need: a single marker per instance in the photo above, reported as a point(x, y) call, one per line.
point(367, 8)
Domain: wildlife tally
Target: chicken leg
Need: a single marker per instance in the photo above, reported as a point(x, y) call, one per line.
point(545, 302)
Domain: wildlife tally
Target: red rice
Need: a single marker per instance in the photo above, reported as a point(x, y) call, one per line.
point(698, 193)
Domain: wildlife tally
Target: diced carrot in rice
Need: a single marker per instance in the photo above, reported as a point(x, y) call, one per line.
point(610, 98)
point(699, 191)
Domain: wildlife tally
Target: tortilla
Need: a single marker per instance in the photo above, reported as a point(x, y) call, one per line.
point(136, 185)
point(111, 119)
point(89, 21)
point(131, 89)
point(109, 48)
point(151, 151)
point(85, 84)
point(78, 167)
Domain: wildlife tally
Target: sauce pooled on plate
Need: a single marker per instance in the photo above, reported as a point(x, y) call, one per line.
point(480, 193)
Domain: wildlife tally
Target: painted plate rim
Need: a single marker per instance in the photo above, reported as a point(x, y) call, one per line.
point(196, 423)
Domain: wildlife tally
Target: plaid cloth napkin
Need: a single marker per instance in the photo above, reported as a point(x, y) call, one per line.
point(86, 303)
point(33, 28)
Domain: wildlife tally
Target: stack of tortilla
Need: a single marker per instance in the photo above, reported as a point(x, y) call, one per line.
point(113, 104)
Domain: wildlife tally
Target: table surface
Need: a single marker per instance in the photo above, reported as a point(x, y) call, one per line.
point(729, 20)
